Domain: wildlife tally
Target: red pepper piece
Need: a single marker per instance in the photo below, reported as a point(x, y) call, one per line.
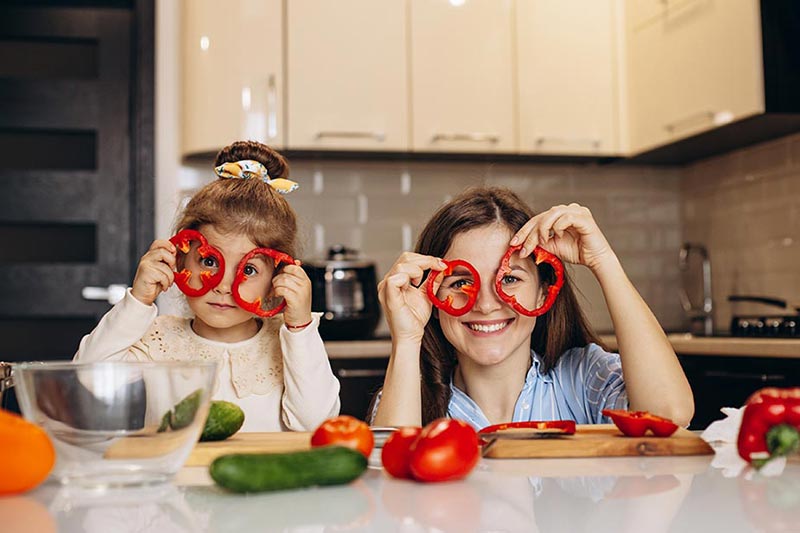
point(540, 255)
point(637, 423)
point(567, 426)
point(770, 425)
point(471, 291)
point(183, 242)
point(255, 306)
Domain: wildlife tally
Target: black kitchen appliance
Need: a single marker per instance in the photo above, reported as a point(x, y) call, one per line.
point(344, 290)
point(778, 325)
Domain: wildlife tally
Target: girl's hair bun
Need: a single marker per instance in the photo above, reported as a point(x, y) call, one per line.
point(276, 165)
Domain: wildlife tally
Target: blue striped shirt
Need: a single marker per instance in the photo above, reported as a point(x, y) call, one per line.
point(584, 382)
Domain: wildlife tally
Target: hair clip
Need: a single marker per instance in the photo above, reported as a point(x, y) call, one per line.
point(248, 168)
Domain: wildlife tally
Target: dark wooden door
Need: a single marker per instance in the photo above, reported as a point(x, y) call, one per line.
point(76, 172)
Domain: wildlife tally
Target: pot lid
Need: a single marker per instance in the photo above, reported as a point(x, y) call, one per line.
point(339, 256)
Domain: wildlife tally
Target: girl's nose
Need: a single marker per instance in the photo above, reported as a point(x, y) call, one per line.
point(225, 285)
point(487, 301)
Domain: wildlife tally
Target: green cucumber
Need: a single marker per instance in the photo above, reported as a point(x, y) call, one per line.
point(327, 465)
point(224, 419)
point(183, 413)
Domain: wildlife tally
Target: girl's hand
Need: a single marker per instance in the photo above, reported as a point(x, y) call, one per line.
point(404, 301)
point(294, 286)
point(570, 232)
point(155, 273)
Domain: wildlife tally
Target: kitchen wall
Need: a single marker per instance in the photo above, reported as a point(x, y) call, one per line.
point(379, 208)
point(744, 206)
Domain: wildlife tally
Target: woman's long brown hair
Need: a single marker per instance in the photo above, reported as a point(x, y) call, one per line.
point(561, 328)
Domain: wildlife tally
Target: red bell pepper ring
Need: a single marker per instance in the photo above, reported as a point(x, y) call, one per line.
point(540, 255)
point(564, 427)
point(770, 425)
point(637, 423)
point(255, 306)
point(183, 242)
point(471, 291)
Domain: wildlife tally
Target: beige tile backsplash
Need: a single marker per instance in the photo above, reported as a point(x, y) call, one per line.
point(380, 208)
point(744, 206)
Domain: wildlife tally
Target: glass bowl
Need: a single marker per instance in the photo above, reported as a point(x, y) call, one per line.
point(117, 423)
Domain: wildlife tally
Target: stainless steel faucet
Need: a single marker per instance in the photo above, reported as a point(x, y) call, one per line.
point(706, 312)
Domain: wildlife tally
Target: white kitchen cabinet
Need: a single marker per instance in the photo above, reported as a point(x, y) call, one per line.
point(347, 79)
point(567, 76)
point(232, 76)
point(462, 60)
point(693, 66)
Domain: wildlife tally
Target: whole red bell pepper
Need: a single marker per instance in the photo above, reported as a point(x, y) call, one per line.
point(637, 423)
point(770, 425)
point(471, 290)
point(540, 255)
point(208, 279)
point(255, 306)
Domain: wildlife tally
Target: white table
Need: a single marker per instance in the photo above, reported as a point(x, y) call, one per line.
point(647, 494)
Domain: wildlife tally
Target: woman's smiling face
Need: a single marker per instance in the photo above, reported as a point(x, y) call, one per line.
point(491, 332)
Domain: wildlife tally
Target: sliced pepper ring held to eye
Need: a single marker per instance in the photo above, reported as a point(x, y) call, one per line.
point(471, 291)
point(255, 306)
point(540, 255)
point(208, 279)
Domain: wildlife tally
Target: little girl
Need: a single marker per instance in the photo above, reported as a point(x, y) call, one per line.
point(276, 369)
point(495, 364)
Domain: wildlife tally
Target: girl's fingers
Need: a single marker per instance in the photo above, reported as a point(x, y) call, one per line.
point(164, 244)
point(295, 271)
point(165, 256)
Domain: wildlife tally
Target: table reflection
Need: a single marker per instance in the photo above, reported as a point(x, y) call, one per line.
point(159, 508)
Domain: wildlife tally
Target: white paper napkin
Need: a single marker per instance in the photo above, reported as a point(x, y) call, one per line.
point(725, 433)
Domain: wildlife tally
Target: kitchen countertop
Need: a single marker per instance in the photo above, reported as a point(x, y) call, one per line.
point(629, 494)
point(684, 344)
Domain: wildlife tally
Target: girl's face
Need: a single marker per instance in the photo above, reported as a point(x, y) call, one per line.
point(217, 317)
point(491, 332)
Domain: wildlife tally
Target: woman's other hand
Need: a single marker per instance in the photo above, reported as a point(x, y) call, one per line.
point(568, 231)
point(155, 273)
point(403, 298)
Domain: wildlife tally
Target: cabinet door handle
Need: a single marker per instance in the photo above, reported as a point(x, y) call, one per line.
point(375, 135)
point(594, 143)
point(718, 118)
point(272, 108)
point(360, 373)
point(471, 137)
point(744, 375)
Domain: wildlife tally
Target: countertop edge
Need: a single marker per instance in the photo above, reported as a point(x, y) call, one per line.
point(684, 344)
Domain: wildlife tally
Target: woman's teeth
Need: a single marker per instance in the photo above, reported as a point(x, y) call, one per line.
point(488, 328)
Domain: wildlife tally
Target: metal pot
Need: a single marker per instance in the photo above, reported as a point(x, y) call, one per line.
point(345, 291)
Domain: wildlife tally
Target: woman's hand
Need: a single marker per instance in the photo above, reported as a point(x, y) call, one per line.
point(294, 286)
point(404, 301)
point(568, 231)
point(155, 273)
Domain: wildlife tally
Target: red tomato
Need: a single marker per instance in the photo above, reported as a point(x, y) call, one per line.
point(445, 450)
point(396, 452)
point(347, 431)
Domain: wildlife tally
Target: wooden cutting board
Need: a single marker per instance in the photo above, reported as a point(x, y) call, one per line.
point(600, 440)
point(287, 441)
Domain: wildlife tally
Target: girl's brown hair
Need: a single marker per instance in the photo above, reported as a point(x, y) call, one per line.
point(561, 328)
point(250, 206)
